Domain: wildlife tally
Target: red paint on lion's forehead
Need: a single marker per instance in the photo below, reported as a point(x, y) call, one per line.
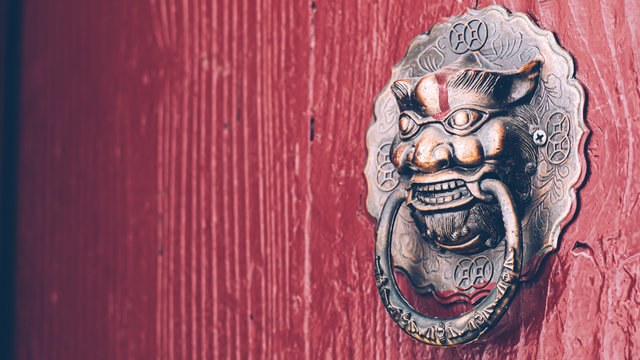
point(442, 78)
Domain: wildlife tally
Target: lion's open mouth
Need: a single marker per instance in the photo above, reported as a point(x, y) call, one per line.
point(448, 189)
point(441, 195)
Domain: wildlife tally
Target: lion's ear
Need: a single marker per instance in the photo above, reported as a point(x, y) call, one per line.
point(521, 84)
point(402, 91)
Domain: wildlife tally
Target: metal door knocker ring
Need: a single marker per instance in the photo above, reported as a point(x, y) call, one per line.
point(470, 325)
point(474, 158)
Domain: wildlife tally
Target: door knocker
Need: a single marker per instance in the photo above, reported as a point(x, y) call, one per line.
point(474, 157)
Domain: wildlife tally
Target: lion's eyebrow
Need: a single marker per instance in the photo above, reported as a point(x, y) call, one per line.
point(402, 90)
point(475, 80)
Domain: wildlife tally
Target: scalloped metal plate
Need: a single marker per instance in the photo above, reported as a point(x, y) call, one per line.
point(504, 41)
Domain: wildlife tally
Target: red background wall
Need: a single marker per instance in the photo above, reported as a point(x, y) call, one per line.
point(190, 182)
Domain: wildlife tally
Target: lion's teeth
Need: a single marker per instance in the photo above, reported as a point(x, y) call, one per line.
point(451, 190)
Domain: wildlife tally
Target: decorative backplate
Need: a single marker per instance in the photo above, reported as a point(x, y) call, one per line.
point(490, 96)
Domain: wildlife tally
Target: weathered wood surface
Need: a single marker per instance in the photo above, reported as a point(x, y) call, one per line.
point(191, 183)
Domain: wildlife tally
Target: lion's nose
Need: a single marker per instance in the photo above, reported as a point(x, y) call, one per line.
point(436, 150)
point(432, 151)
point(432, 158)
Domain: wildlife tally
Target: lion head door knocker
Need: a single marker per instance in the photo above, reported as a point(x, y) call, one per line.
point(473, 160)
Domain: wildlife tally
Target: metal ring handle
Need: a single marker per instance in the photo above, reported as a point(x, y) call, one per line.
point(471, 325)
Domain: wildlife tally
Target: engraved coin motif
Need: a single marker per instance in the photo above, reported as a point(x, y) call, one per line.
point(387, 175)
point(469, 36)
point(476, 272)
point(558, 144)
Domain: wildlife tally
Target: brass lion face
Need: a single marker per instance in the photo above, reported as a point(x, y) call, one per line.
point(457, 126)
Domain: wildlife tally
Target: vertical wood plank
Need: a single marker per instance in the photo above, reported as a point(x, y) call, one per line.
point(584, 302)
point(163, 201)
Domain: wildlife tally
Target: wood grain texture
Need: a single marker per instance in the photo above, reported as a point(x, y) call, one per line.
point(190, 183)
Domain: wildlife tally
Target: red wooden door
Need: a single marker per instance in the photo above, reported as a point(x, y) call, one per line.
point(190, 182)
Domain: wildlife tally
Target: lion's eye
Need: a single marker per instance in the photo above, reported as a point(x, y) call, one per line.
point(408, 126)
point(464, 119)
